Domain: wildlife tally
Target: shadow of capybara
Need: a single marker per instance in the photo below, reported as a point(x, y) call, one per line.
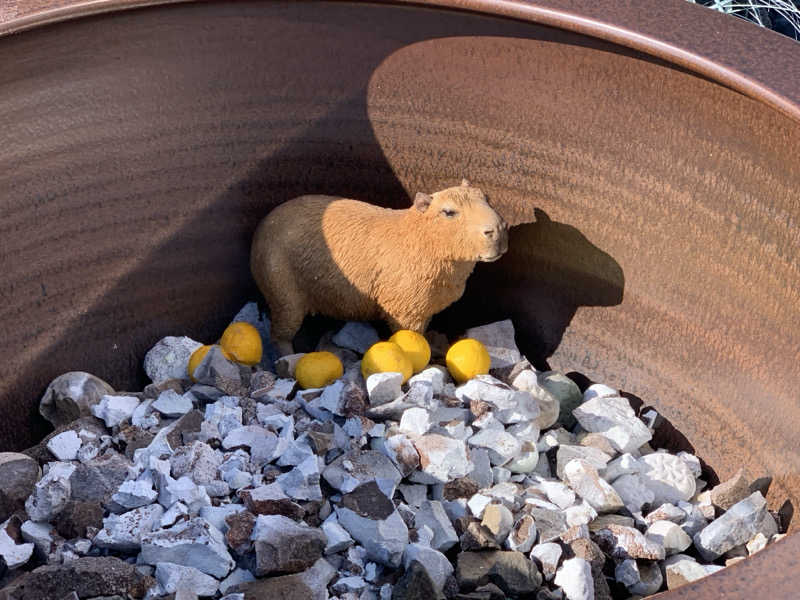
point(352, 260)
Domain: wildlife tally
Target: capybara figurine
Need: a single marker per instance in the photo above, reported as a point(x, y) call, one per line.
point(355, 261)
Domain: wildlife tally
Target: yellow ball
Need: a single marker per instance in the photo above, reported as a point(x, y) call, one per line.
point(196, 358)
point(386, 357)
point(467, 358)
point(415, 346)
point(241, 343)
point(318, 369)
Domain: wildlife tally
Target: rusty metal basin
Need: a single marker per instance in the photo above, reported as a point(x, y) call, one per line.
point(648, 157)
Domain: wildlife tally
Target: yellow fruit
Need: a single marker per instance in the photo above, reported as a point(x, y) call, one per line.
point(241, 343)
point(415, 346)
point(467, 358)
point(318, 369)
point(196, 358)
point(386, 357)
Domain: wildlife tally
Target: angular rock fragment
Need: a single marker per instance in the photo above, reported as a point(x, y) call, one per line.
point(634, 492)
point(639, 577)
point(19, 474)
point(435, 564)
point(442, 458)
point(350, 470)
point(169, 358)
point(670, 535)
point(311, 584)
point(737, 526)
point(566, 392)
point(172, 577)
point(51, 493)
point(65, 445)
point(194, 543)
point(668, 477)
point(371, 519)
point(550, 523)
point(567, 452)
point(729, 492)
point(337, 538)
point(622, 542)
point(498, 338)
point(498, 520)
point(356, 336)
point(613, 418)
point(523, 534)
point(508, 405)
point(284, 546)
point(433, 515)
point(681, 569)
point(575, 579)
point(383, 388)
point(302, 482)
point(113, 410)
point(502, 446)
point(547, 555)
point(587, 483)
point(124, 532)
point(173, 405)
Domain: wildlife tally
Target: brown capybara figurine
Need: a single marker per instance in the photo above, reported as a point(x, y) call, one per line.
point(355, 261)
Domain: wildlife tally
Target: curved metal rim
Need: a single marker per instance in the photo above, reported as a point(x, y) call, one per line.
point(783, 98)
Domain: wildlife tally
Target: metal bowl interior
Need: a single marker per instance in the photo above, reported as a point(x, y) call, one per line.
point(655, 207)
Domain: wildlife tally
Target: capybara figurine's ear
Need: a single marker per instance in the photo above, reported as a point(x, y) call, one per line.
point(464, 183)
point(422, 201)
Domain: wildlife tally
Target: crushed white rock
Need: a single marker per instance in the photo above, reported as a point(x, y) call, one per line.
point(538, 487)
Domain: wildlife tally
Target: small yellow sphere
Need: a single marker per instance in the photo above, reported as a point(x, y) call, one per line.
point(386, 357)
point(195, 359)
point(318, 369)
point(415, 346)
point(467, 358)
point(241, 343)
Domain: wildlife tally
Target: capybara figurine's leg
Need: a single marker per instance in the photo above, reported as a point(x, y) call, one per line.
point(286, 320)
point(414, 323)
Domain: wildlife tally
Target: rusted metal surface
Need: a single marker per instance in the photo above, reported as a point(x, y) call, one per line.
point(657, 211)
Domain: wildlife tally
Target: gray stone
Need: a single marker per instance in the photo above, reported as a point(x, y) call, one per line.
point(197, 460)
point(508, 405)
point(260, 442)
point(217, 371)
point(356, 336)
point(502, 446)
point(432, 514)
point(302, 482)
point(547, 555)
point(415, 584)
point(681, 569)
point(550, 523)
point(584, 479)
point(65, 445)
point(19, 474)
point(622, 465)
point(442, 458)
point(124, 532)
point(566, 452)
point(285, 365)
point(70, 396)
point(42, 535)
point(737, 526)
point(670, 535)
point(225, 413)
point(613, 418)
point(13, 555)
point(635, 493)
point(498, 520)
point(598, 390)
point(668, 476)
point(311, 584)
point(522, 535)
point(194, 543)
point(216, 515)
point(575, 579)
point(371, 519)
point(640, 578)
point(383, 388)
point(565, 391)
point(436, 375)
point(177, 512)
point(183, 490)
point(113, 410)
point(172, 405)
point(135, 493)
point(169, 358)
point(623, 542)
point(731, 491)
point(515, 574)
point(51, 493)
point(350, 470)
point(337, 538)
point(237, 577)
point(666, 512)
point(415, 421)
point(283, 546)
point(499, 341)
point(173, 577)
point(436, 564)
point(549, 407)
point(97, 479)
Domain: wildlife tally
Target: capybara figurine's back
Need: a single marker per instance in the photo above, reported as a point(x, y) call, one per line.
point(356, 261)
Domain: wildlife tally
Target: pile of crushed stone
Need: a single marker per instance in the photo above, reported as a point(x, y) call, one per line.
point(240, 485)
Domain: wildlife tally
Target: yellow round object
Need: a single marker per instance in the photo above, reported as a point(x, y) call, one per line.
point(467, 358)
point(318, 369)
point(386, 357)
point(415, 346)
point(196, 358)
point(241, 343)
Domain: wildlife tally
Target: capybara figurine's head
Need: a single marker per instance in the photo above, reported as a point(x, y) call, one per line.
point(472, 230)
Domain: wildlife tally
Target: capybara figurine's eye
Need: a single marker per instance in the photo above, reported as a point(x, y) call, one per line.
point(449, 212)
